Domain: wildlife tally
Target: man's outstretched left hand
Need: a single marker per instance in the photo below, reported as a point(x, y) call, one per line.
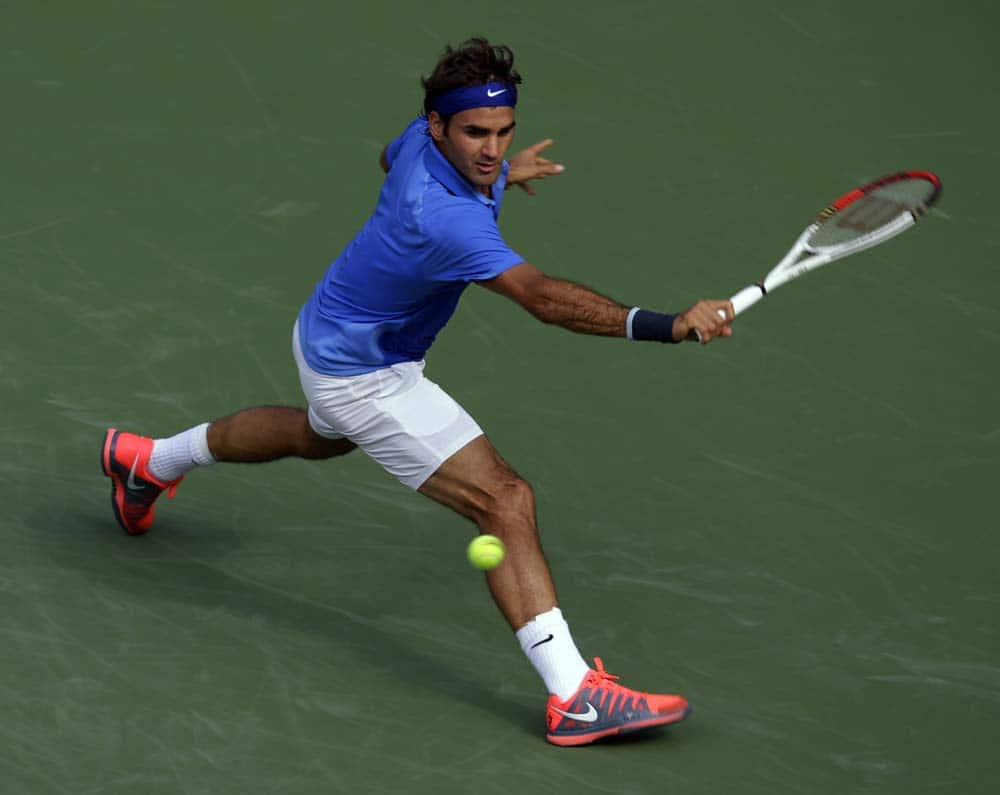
point(528, 164)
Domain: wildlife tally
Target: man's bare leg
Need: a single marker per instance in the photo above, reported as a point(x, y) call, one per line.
point(254, 435)
point(267, 433)
point(141, 468)
point(477, 483)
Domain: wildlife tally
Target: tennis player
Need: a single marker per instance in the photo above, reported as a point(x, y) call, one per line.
point(359, 344)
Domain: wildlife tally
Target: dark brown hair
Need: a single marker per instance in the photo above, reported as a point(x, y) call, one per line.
point(473, 63)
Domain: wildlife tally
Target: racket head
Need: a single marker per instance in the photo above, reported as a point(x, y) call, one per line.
point(878, 210)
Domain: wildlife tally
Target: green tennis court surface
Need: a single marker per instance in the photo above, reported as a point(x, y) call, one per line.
point(795, 528)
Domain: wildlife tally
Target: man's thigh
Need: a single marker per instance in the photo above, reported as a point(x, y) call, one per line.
point(403, 420)
point(472, 477)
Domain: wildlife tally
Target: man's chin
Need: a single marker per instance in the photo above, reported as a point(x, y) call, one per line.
point(485, 178)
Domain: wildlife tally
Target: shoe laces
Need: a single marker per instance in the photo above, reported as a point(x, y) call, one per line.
point(604, 679)
point(172, 487)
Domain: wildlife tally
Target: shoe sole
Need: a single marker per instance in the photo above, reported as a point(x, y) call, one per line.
point(586, 738)
point(117, 488)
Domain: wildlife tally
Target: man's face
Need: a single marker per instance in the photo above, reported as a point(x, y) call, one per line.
point(476, 141)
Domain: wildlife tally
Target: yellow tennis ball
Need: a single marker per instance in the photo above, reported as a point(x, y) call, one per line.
point(486, 552)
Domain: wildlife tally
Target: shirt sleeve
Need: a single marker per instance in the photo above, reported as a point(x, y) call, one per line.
point(416, 127)
point(470, 248)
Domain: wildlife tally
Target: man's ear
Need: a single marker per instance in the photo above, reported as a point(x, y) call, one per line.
point(436, 125)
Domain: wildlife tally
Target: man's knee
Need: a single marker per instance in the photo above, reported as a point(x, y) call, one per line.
point(322, 447)
point(510, 497)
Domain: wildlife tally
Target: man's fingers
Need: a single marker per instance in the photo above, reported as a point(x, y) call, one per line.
point(528, 164)
point(726, 307)
point(710, 319)
point(548, 169)
point(542, 170)
point(538, 172)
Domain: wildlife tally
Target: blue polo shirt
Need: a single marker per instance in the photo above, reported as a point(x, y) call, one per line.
point(396, 284)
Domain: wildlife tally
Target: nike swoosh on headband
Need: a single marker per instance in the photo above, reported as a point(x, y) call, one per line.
point(493, 94)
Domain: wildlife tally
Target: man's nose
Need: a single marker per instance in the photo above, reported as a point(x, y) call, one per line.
point(491, 147)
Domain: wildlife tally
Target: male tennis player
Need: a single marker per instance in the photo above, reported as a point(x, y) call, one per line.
point(359, 344)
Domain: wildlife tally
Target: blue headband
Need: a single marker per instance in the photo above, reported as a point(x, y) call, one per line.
point(489, 95)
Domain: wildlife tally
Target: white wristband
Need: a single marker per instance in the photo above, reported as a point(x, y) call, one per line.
point(628, 322)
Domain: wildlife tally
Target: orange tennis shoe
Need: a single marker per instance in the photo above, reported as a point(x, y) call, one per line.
point(601, 708)
point(134, 489)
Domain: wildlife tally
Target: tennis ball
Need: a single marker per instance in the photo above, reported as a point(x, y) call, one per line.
point(486, 552)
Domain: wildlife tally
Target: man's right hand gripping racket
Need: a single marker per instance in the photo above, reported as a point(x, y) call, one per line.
point(860, 219)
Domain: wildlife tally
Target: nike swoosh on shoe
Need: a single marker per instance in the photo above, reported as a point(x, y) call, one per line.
point(130, 483)
point(590, 716)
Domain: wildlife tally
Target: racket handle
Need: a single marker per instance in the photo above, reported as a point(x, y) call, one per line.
point(743, 300)
point(746, 298)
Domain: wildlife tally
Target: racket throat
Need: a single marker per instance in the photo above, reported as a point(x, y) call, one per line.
point(747, 297)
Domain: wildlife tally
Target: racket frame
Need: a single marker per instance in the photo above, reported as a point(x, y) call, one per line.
point(792, 266)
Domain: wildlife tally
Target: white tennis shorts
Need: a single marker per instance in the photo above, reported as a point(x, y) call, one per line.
point(403, 420)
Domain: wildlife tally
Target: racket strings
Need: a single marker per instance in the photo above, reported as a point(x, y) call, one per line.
point(869, 215)
point(859, 241)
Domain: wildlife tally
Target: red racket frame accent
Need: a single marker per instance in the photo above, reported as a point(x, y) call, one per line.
point(857, 193)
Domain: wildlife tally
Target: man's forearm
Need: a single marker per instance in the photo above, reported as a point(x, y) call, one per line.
point(577, 308)
point(580, 309)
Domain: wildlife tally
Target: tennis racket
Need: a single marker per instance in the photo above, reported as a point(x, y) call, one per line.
point(860, 219)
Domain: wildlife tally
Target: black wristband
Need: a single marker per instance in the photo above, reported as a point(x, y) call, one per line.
point(653, 326)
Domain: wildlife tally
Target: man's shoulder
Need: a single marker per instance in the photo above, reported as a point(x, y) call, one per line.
point(410, 142)
point(453, 216)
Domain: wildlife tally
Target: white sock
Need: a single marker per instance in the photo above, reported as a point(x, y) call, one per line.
point(173, 457)
point(547, 642)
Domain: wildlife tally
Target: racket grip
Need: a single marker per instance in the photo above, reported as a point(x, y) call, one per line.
point(746, 298)
point(743, 300)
